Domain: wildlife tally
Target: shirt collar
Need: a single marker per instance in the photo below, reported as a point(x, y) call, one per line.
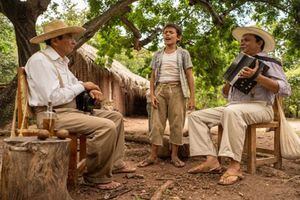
point(262, 54)
point(161, 51)
point(53, 55)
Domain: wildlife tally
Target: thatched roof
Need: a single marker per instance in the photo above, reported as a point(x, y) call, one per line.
point(131, 82)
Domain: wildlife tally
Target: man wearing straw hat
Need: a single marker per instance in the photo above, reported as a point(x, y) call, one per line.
point(50, 80)
point(242, 109)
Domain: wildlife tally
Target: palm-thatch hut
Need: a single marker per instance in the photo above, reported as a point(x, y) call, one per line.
point(123, 90)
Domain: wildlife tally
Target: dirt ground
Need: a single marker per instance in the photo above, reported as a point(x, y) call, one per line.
point(267, 183)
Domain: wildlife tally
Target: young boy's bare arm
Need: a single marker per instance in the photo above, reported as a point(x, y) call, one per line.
point(190, 79)
point(154, 101)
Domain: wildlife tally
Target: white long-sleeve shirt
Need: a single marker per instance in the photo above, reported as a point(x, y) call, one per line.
point(43, 79)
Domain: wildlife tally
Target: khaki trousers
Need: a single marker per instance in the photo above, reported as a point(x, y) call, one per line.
point(105, 139)
point(171, 106)
point(234, 118)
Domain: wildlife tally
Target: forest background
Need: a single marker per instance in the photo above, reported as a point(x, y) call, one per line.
point(130, 32)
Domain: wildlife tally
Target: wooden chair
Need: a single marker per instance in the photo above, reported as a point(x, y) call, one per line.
point(250, 148)
point(78, 142)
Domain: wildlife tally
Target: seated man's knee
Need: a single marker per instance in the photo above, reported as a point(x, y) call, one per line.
point(117, 115)
point(230, 111)
point(195, 115)
point(107, 124)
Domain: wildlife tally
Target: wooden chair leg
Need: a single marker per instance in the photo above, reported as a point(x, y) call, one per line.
point(73, 174)
point(220, 133)
point(251, 134)
point(277, 151)
point(82, 144)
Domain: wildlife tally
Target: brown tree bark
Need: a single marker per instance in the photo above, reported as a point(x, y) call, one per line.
point(35, 169)
point(23, 15)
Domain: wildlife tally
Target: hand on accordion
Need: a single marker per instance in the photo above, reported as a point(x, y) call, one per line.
point(248, 72)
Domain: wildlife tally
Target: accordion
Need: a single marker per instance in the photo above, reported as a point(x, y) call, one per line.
point(244, 85)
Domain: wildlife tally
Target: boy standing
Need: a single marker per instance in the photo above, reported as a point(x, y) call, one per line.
point(171, 84)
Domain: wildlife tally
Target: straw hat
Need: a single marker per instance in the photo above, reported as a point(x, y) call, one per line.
point(267, 37)
point(54, 29)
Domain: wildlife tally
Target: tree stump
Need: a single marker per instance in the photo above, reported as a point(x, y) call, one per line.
point(35, 169)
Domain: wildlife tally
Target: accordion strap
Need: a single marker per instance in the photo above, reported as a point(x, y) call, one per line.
point(268, 59)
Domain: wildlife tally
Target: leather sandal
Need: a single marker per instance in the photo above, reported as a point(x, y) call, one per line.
point(235, 177)
point(108, 186)
point(203, 168)
point(102, 186)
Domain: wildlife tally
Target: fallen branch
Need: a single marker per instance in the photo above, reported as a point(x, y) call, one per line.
point(5, 132)
point(295, 177)
point(137, 138)
point(158, 193)
point(117, 193)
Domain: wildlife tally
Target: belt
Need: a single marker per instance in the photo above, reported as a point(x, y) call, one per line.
point(37, 109)
point(170, 83)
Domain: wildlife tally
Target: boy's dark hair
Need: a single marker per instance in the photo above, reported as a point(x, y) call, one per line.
point(177, 28)
point(48, 42)
point(258, 38)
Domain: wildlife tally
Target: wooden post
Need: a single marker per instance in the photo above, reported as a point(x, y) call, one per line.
point(35, 169)
point(220, 134)
point(277, 150)
point(251, 164)
point(73, 173)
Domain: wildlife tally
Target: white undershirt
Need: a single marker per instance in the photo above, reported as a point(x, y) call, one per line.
point(43, 79)
point(169, 68)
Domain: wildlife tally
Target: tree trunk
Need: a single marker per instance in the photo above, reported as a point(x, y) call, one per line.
point(23, 15)
point(7, 102)
point(35, 169)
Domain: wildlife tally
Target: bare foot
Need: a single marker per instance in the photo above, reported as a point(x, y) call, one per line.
point(177, 162)
point(148, 161)
point(127, 168)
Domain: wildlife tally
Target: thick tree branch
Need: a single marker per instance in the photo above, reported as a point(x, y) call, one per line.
point(23, 9)
point(217, 19)
point(151, 37)
point(95, 24)
point(131, 27)
point(235, 6)
point(136, 33)
point(137, 44)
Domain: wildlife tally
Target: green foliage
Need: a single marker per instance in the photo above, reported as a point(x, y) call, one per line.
point(283, 21)
point(137, 62)
point(211, 46)
point(292, 104)
point(67, 12)
point(8, 51)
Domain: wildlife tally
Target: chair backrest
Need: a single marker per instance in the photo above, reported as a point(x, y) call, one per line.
point(279, 100)
point(23, 108)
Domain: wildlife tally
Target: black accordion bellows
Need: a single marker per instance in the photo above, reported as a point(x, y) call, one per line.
point(85, 102)
point(244, 85)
